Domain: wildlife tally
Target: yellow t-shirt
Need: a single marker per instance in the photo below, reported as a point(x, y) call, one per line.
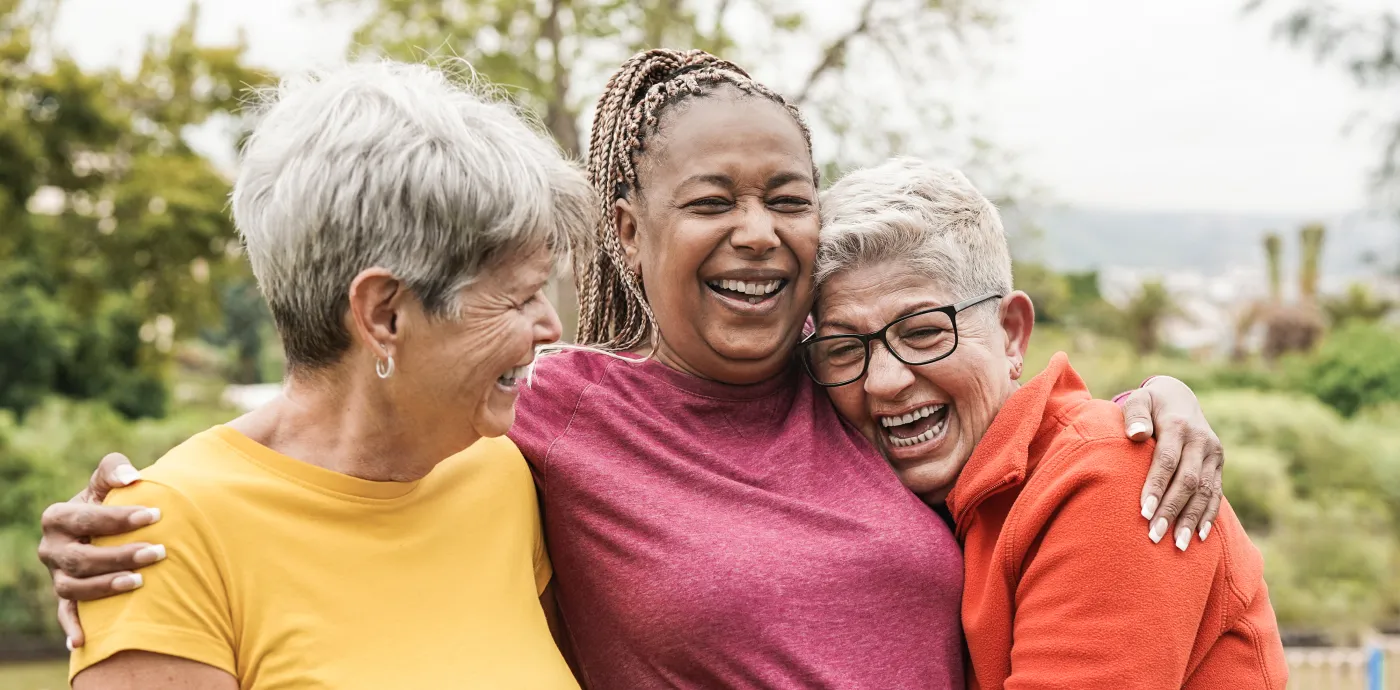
point(288, 575)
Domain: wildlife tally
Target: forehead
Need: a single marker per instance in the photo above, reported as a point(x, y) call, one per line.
point(520, 268)
point(867, 297)
point(733, 131)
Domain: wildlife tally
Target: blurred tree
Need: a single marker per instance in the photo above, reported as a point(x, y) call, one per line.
point(554, 57)
point(1357, 367)
point(116, 236)
point(1145, 313)
point(1359, 304)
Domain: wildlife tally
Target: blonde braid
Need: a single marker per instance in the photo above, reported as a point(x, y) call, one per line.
point(613, 310)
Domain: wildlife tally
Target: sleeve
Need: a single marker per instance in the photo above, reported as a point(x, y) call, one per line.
point(1098, 604)
point(182, 607)
point(544, 570)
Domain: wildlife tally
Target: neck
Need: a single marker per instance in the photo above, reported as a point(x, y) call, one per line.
point(741, 373)
point(347, 424)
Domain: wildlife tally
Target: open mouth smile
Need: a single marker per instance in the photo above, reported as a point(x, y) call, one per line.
point(511, 379)
point(751, 292)
point(922, 425)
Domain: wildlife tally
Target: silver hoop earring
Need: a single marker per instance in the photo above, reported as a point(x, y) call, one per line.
point(385, 368)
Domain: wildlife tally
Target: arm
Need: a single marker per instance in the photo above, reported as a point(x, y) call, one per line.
point(181, 609)
point(147, 671)
point(81, 571)
point(1098, 607)
point(1184, 482)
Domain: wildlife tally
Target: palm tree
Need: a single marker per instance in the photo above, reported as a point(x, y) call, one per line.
point(1145, 314)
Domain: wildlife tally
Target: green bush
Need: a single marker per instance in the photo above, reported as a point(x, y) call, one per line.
point(1358, 366)
point(1258, 486)
point(48, 458)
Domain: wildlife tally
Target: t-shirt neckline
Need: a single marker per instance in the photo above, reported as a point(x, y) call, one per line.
point(309, 474)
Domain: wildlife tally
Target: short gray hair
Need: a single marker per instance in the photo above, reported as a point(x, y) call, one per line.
point(401, 166)
point(927, 217)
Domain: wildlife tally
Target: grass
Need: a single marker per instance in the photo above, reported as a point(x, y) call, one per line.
point(34, 675)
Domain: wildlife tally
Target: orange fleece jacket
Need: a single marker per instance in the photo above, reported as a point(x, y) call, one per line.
point(1063, 587)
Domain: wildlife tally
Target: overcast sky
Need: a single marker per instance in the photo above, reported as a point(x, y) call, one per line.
point(1121, 104)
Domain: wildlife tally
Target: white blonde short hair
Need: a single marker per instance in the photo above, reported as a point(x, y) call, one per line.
point(927, 217)
point(401, 166)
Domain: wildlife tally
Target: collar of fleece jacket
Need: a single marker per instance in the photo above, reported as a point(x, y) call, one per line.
point(1001, 460)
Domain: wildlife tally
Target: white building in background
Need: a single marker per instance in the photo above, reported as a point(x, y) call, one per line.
point(246, 398)
point(1213, 305)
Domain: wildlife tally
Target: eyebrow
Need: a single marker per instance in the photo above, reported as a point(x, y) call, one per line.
point(848, 329)
point(783, 178)
point(722, 180)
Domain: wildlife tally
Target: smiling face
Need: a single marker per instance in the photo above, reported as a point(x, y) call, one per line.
point(723, 233)
point(477, 362)
point(925, 419)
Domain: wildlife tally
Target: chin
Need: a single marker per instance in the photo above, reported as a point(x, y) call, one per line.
point(752, 347)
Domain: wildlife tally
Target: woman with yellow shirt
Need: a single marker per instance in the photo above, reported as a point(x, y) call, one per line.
point(401, 227)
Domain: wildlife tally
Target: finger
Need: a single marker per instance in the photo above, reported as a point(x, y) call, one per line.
point(92, 588)
point(1190, 517)
point(1182, 489)
point(1213, 507)
point(1137, 415)
point(68, 620)
point(88, 520)
point(113, 472)
point(1171, 440)
point(85, 560)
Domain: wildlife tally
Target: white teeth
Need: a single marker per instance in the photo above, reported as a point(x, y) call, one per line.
point(514, 374)
point(911, 417)
point(926, 436)
point(758, 289)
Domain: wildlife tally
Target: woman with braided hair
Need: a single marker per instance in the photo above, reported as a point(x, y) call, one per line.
point(711, 520)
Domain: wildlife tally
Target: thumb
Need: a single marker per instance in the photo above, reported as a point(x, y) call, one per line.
point(1137, 415)
point(113, 472)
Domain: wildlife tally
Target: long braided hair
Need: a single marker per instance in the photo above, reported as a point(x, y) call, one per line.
point(613, 310)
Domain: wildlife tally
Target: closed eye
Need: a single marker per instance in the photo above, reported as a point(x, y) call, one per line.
point(710, 204)
point(790, 204)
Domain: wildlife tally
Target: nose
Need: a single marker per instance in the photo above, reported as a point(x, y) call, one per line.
point(548, 329)
point(755, 233)
point(886, 377)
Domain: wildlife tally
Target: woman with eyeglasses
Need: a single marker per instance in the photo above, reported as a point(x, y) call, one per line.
point(920, 342)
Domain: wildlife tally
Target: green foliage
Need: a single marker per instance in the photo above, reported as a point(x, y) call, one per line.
point(116, 237)
point(1356, 367)
point(50, 456)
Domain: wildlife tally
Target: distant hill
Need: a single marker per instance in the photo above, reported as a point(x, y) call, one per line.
point(1210, 243)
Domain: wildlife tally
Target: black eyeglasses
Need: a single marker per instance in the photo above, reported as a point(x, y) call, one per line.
point(920, 338)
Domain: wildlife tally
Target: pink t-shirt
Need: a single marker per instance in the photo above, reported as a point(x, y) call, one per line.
point(714, 536)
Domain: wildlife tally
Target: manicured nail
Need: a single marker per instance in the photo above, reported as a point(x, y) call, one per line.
point(68, 641)
point(1137, 428)
point(1205, 530)
point(126, 583)
point(1149, 506)
point(1183, 538)
point(1159, 530)
point(150, 554)
point(146, 516)
point(126, 475)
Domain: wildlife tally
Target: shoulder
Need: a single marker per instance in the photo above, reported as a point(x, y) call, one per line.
point(1088, 461)
point(552, 395)
point(197, 470)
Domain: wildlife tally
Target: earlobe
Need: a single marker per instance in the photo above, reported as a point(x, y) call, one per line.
point(625, 220)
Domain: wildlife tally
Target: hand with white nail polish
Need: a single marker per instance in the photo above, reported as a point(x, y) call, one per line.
point(1183, 483)
point(81, 571)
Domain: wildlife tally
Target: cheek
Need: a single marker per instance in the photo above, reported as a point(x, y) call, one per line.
point(802, 236)
point(850, 403)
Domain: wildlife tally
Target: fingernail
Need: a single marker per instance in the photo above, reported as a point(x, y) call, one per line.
point(126, 475)
point(126, 583)
point(1205, 530)
point(1159, 530)
point(145, 516)
point(150, 554)
point(1149, 506)
point(1183, 538)
point(1137, 428)
point(68, 642)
